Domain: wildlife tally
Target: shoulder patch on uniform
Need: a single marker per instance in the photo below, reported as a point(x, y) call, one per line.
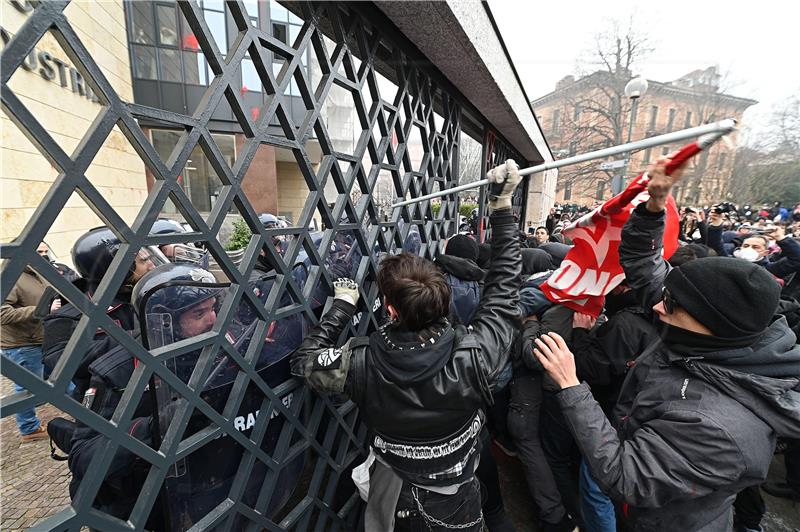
point(329, 359)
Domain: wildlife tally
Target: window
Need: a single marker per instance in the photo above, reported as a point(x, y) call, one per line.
point(665, 150)
point(688, 122)
point(144, 62)
point(556, 120)
point(577, 115)
point(647, 153)
point(601, 190)
point(142, 25)
point(573, 147)
point(280, 32)
point(196, 68)
point(653, 117)
point(568, 190)
point(170, 65)
point(671, 119)
point(721, 161)
point(199, 180)
point(167, 25)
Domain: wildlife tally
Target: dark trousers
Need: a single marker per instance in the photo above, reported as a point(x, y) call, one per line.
point(749, 508)
point(459, 509)
point(562, 454)
point(524, 425)
point(487, 474)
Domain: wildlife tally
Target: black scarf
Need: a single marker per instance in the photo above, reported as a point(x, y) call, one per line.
point(689, 343)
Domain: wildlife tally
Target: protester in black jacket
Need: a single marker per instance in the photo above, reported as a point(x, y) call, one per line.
point(700, 411)
point(422, 386)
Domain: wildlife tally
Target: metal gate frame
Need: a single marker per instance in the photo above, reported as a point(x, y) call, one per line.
point(330, 432)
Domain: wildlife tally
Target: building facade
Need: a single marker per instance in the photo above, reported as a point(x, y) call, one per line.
point(587, 114)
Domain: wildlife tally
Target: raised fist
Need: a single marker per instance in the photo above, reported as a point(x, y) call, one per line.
point(345, 289)
point(503, 180)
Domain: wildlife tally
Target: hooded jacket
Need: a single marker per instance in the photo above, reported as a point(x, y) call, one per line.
point(692, 431)
point(465, 279)
point(424, 390)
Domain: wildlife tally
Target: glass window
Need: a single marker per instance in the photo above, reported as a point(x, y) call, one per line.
point(199, 181)
point(294, 33)
point(167, 25)
point(219, 5)
point(277, 11)
point(216, 24)
point(568, 190)
point(250, 77)
point(143, 31)
point(653, 117)
point(279, 31)
point(688, 122)
point(252, 8)
point(601, 190)
point(196, 68)
point(144, 62)
point(671, 119)
point(647, 153)
point(170, 65)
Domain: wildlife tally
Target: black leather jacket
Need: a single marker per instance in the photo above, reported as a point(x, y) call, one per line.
point(427, 395)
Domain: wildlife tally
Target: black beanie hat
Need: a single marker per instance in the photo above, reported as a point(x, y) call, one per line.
point(732, 297)
point(462, 246)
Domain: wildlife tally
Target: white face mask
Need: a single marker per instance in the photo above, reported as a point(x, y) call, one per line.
point(748, 254)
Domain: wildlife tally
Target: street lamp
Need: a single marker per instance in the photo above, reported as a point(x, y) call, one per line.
point(633, 90)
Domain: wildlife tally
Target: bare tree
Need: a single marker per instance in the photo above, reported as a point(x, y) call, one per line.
point(767, 169)
point(595, 110)
point(470, 152)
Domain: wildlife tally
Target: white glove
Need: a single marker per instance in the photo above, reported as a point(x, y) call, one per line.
point(503, 180)
point(346, 290)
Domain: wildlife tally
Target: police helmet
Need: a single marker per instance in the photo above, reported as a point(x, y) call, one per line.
point(269, 221)
point(165, 226)
point(93, 252)
point(168, 291)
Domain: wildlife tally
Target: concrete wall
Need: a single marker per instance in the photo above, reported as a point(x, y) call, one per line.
point(67, 112)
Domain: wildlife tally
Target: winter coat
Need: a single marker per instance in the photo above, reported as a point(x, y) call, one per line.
point(423, 388)
point(20, 327)
point(691, 432)
point(465, 279)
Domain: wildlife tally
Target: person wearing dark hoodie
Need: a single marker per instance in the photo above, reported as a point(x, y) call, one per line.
point(699, 413)
point(422, 385)
point(458, 264)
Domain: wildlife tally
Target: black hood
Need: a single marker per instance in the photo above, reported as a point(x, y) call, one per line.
point(535, 261)
point(557, 250)
point(465, 269)
point(405, 358)
point(764, 377)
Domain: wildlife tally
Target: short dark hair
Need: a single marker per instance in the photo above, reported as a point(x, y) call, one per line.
point(416, 288)
point(542, 227)
point(681, 256)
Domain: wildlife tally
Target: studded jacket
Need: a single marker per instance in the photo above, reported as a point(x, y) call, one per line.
point(422, 394)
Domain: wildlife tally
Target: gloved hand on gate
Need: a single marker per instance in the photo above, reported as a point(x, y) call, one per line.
point(346, 290)
point(503, 180)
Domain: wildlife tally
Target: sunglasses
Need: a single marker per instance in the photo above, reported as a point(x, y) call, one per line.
point(669, 302)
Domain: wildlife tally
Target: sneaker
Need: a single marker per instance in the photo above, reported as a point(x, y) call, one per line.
point(38, 434)
point(781, 490)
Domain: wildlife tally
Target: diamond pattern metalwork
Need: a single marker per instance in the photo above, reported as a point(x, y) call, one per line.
point(327, 431)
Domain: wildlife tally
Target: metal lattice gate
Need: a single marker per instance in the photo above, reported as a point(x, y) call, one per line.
point(323, 432)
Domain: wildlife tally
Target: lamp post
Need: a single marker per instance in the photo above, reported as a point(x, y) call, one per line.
point(633, 90)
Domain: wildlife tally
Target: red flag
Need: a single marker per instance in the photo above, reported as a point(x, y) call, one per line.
point(591, 269)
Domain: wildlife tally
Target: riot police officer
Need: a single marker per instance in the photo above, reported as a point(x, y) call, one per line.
point(92, 254)
point(178, 252)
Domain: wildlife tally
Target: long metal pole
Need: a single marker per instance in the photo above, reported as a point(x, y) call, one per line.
point(721, 128)
point(618, 182)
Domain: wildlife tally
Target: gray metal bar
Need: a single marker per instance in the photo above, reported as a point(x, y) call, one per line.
point(722, 127)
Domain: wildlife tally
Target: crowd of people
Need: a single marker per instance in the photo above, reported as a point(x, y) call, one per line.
point(663, 413)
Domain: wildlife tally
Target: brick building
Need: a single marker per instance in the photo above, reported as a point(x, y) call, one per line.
point(592, 113)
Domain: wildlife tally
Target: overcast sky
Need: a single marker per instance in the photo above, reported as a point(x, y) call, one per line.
point(756, 43)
